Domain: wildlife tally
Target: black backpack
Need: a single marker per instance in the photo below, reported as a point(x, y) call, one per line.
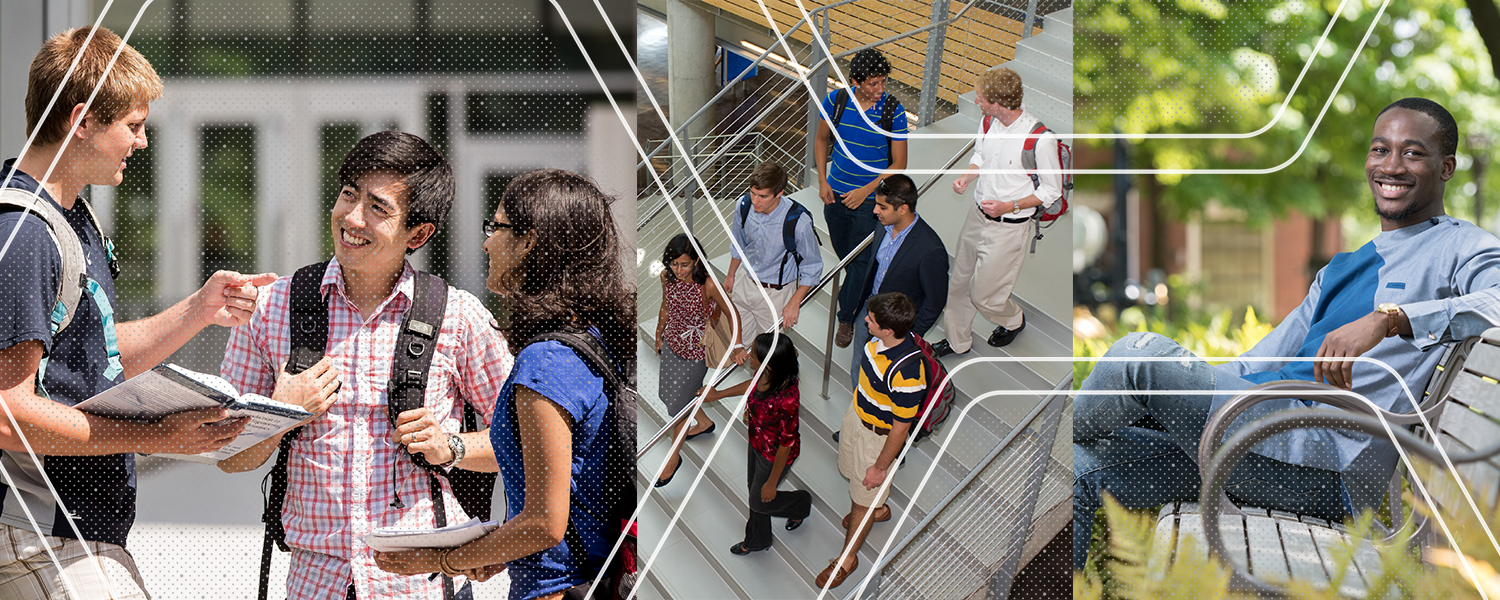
point(887, 116)
point(788, 232)
point(619, 468)
point(415, 345)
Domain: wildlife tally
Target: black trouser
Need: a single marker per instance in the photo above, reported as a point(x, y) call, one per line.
point(792, 505)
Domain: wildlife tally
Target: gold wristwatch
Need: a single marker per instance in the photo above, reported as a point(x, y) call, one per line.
point(1391, 310)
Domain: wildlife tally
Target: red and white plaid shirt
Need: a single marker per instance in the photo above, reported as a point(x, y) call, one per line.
point(344, 472)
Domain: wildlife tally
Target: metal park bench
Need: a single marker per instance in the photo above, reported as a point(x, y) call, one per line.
point(1266, 548)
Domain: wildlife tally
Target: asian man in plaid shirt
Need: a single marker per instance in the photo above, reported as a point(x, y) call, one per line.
point(349, 472)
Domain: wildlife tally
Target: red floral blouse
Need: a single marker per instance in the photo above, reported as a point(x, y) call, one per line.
point(687, 318)
point(773, 422)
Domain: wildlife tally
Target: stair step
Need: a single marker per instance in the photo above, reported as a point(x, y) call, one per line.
point(1052, 54)
point(679, 571)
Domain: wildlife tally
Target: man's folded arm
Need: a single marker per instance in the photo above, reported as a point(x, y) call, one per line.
point(1475, 308)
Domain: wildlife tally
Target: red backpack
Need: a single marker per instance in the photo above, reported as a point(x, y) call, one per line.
point(937, 374)
point(1043, 218)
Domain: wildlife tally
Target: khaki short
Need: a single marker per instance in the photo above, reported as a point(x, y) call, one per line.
point(859, 448)
point(27, 571)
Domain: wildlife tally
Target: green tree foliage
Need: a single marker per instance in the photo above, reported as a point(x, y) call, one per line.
point(1210, 66)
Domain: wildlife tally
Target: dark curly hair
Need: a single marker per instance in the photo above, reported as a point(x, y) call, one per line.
point(573, 273)
point(681, 245)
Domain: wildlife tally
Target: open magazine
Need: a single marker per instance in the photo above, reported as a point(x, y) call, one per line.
point(168, 389)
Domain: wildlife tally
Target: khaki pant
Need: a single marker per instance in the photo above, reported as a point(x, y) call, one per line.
point(756, 317)
point(859, 448)
point(28, 573)
point(984, 271)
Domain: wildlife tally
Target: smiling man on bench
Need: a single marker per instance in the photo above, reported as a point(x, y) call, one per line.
point(1428, 279)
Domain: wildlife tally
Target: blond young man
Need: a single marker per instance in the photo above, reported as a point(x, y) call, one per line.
point(46, 369)
point(992, 243)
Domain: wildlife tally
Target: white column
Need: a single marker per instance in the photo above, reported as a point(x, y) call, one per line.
point(611, 163)
point(465, 243)
point(102, 198)
point(289, 218)
point(690, 64)
point(178, 222)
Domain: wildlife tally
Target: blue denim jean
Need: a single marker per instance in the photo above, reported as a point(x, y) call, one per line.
point(846, 228)
point(1145, 462)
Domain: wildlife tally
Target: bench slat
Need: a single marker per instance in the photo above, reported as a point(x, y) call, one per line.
point(1465, 425)
point(1484, 359)
point(1301, 552)
point(1232, 527)
point(1328, 541)
point(1469, 388)
point(1191, 526)
point(1483, 477)
point(1267, 559)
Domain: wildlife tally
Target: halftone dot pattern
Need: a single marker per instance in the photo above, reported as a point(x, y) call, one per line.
point(254, 92)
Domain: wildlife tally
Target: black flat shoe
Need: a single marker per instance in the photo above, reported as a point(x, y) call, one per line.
point(664, 482)
point(943, 348)
point(793, 524)
point(1002, 336)
point(711, 428)
point(741, 549)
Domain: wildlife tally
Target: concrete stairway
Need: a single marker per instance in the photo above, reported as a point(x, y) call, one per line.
point(695, 561)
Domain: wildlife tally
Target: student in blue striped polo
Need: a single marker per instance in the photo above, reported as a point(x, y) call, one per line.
point(862, 133)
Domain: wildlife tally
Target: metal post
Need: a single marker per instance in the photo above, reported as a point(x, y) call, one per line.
point(687, 203)
point(932, 72)
point(833, 310)
point(820, 89)
point(1030, 18)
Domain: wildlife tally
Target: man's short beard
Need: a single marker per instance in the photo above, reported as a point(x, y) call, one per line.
point(1398, 216)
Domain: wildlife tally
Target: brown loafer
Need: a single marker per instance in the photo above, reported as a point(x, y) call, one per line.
point(844, 336)
point(836, 572)
point(882, 515)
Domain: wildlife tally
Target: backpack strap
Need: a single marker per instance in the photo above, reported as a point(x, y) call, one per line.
point(415, 346)
point(109, 245)
point(789, 239)
point(888, 124)
point(308, 333)
point(592, 351)
point(1028, 155)
point(73, 283)
point(840, 98)
point(891, 370)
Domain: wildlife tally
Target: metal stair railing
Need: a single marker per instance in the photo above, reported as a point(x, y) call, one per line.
point(968, 502)
point(832, 278)
point(651, 213)
point(693, 406)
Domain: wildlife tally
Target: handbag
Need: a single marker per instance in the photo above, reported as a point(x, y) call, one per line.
point(717, 337)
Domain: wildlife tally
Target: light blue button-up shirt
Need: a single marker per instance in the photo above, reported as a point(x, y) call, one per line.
point(760, 236)
point(889, 244)
point(1445, 275)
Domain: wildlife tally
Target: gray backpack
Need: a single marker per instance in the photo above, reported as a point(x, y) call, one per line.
point(74, 282)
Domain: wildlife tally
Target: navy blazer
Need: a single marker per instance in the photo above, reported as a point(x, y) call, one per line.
point(919, 269)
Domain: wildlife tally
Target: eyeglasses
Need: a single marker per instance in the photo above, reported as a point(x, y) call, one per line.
point(680, 265)
point(491, 226)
